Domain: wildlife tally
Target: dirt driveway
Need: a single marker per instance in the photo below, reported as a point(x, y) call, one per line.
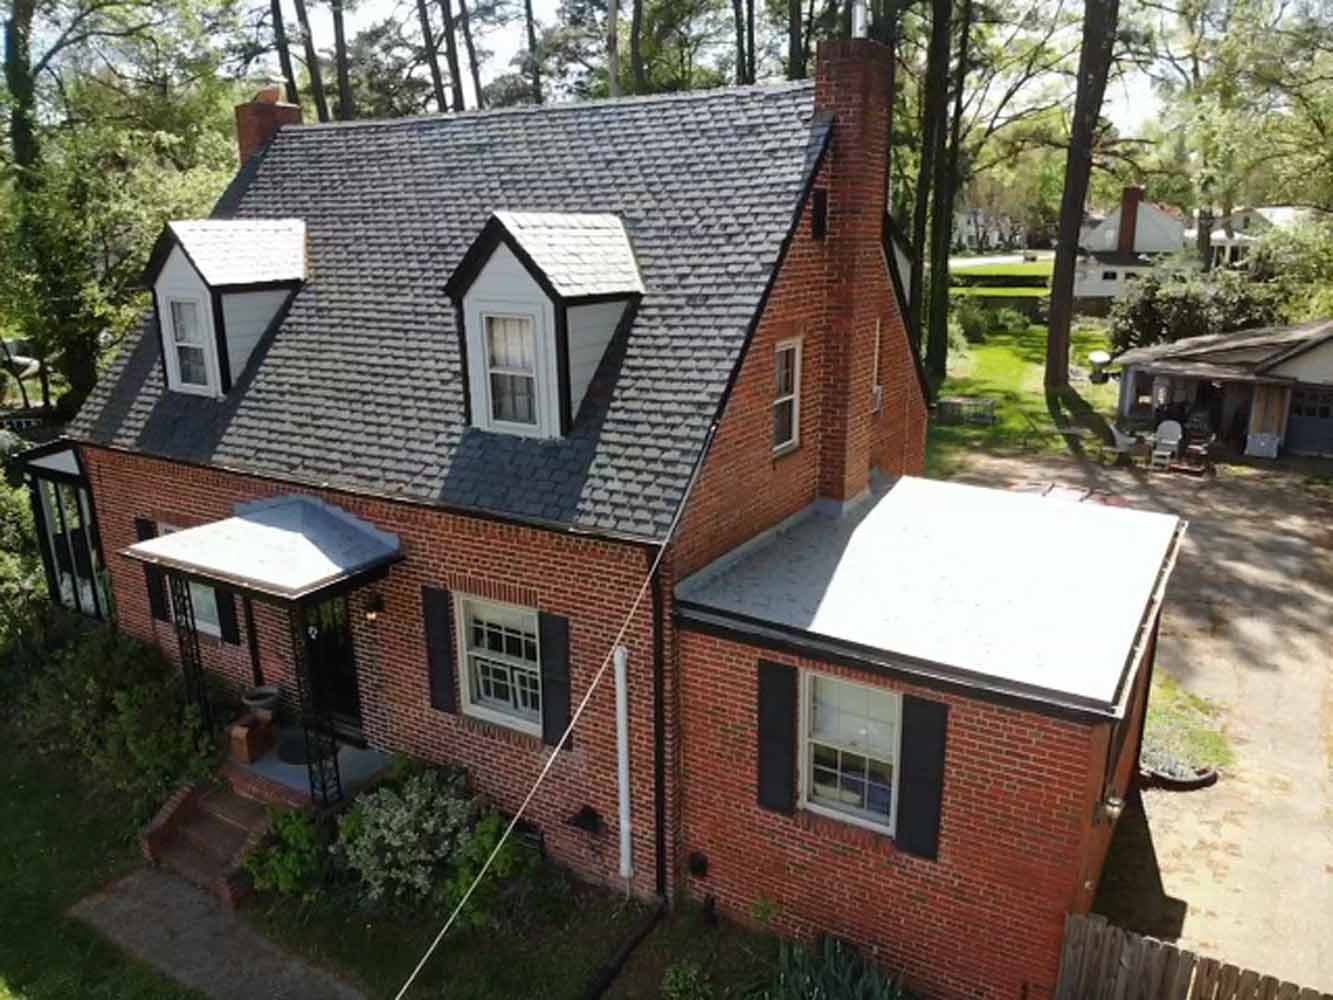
point(1242, 871)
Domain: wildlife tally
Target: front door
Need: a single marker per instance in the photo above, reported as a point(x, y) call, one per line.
point(332, 662)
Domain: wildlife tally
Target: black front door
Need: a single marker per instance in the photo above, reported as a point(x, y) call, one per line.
point(332, 662)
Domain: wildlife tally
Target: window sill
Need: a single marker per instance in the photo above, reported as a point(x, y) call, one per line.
point(498, 730)
point(782, 451)
point(832, 825)
point(502, 721)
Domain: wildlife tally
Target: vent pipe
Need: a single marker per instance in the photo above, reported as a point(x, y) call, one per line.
point(622, 761)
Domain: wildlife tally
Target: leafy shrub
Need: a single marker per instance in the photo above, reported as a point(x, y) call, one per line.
point(400, 840)
point(1010, 320)
point(1299, 264)
point(512, 867)
point(290, 862)
point(974, 321)
point(686, 980)
point(22, 589)
point(1159, 309)
point(117, 704)
point(833, 970)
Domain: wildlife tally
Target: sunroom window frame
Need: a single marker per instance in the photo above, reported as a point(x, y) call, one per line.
point(804, 768)
point(794, 344)
point(472, 704)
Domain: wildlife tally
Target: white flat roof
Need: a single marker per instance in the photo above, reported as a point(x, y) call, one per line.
point(1031, 594)
point(288, 547)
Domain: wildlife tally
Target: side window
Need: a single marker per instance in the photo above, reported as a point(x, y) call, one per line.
point(787, 395)
point(501, 659)
point(511, 369)
point(187, 336)
point(850, 759)
point(203, 597)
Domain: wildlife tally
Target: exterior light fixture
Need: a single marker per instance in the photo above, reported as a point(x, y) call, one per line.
point(374, 606)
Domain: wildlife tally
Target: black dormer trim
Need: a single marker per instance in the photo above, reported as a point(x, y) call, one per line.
point(220, 339)
point(562, 367)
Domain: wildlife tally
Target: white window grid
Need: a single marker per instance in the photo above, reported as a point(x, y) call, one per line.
point(503, 663)
point(787, 392)
point(518, 365)
point(833, 773)
point(188, 338)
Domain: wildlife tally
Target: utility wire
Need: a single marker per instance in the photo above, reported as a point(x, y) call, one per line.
point(578, 712)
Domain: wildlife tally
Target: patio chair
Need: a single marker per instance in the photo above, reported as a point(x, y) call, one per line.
point(1167, 445)
point(1122, 445)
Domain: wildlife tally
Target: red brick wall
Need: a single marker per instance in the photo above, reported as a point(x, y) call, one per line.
point(984, 920)
point(834, 294)
point(592, 582)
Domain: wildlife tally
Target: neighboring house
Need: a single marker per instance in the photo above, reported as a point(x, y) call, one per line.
point(423, 402)
point(1229, 248)
point(1266, 391)
point(980, 229)
point(1263, 217)
point(1124, 246)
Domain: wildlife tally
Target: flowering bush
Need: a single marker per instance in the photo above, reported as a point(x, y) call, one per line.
point(400, 841)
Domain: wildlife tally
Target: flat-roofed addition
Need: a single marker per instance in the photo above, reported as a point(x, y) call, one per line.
point(1014, 592)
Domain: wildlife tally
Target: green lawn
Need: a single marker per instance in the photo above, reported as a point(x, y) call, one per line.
point(1000, 291)
point(1184, 726)
point(1009, 368)
point(60, 843)
point(1026, 268)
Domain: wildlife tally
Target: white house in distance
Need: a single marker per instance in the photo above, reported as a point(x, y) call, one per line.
point(1124, 246)
point(1237, 233)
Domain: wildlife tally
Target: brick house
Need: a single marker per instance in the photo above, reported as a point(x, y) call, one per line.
point(430, 408)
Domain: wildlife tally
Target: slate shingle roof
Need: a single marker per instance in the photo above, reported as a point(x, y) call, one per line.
point(580, 254)
point(243, 251)
point(360, 387)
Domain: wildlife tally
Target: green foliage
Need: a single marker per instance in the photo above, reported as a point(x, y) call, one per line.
point(290, 862)
point(833, 970)
point(764, 910)
point(1163, 308)
point(1299, 264)
point(117, 705)
point(511, 870)
point(973, 321)
point(22, 589)
point(686, 980)
point(1010, 320)
point(400, 841)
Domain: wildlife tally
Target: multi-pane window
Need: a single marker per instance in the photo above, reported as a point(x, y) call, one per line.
point(203, 599)
point(511, 359)
point(72, 547)
point(1312, 403)
point(501, 652)
point(851, 749)
point(188, 335)
point(787, 395)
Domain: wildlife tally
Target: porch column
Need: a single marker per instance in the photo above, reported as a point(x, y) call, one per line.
point(321, 746)
point(187, 636)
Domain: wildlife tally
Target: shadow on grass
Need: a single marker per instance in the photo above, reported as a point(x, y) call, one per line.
point(1131, 894)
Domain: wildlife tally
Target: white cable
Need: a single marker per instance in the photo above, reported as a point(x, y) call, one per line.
point(555, 753)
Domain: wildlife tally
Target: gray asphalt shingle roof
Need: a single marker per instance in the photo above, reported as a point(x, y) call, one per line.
point(243, 251)
point(580, 254)
point(360, 387)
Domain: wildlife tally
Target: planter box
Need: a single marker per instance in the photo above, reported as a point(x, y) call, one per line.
point(251, 738)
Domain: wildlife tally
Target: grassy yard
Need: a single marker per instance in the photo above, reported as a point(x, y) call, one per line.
point(1008, 367)
point(1183, 727)
point(1000, 291)
point(1027, 268)
point(60, 843)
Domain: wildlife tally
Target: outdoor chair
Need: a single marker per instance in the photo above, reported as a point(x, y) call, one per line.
point(1122, 446)
point(1167, 444)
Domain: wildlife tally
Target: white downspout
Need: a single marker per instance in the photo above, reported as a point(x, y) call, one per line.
point(622, 760)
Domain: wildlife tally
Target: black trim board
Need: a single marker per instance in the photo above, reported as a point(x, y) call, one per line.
point(562, 366)
point(220, 340)
point(797, 642)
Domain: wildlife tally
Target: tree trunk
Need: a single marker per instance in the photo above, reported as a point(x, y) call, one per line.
point(636, 48)
point(346, 100)
point(432, 57)
point(471, 47)
point(738, 15)
point(613, 47)
point(22, 96)
point(312, 62)
point(1094, 64)
point(284, 53)
point(534, 59)
point(749, 41)
point(451, 54)
point(934, 114)
point(941, 212)
point(795, 51)
point(1203, 237)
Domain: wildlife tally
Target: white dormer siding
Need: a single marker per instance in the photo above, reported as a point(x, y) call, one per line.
point(504, 289)
point(245, 317)
point(591, 328)
point(180, 283)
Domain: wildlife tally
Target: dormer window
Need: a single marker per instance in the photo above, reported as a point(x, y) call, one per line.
point(512, 369)
point(540, 295)
point(218, 285)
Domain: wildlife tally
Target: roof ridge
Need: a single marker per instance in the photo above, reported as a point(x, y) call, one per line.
point(678, 96)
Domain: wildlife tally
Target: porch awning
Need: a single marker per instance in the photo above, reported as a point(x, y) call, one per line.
point(288, 549)
point(1211, 372)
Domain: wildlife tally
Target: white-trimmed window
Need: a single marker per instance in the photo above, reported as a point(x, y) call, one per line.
point(511, 369)
point(203, 598)
point(1108, 276)
point(849, 750)
point(187, 336)
point(787, 395)
point(501, 659)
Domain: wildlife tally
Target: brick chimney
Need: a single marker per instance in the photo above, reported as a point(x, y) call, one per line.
point(259, 119)
point(1130, 199)
point(852, 82)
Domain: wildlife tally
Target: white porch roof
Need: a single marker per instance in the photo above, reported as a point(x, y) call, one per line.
point(288, 548)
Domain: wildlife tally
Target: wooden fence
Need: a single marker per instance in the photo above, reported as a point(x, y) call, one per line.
point(1103, 962)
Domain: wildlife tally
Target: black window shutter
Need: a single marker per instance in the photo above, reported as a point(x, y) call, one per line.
point(778, 701)
point(921, 776)
point(437, 612)
point(227, 616)
point(145, 529)
point(553, 635)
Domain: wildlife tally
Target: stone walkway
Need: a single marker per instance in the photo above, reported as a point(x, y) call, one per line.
point(187, 935)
